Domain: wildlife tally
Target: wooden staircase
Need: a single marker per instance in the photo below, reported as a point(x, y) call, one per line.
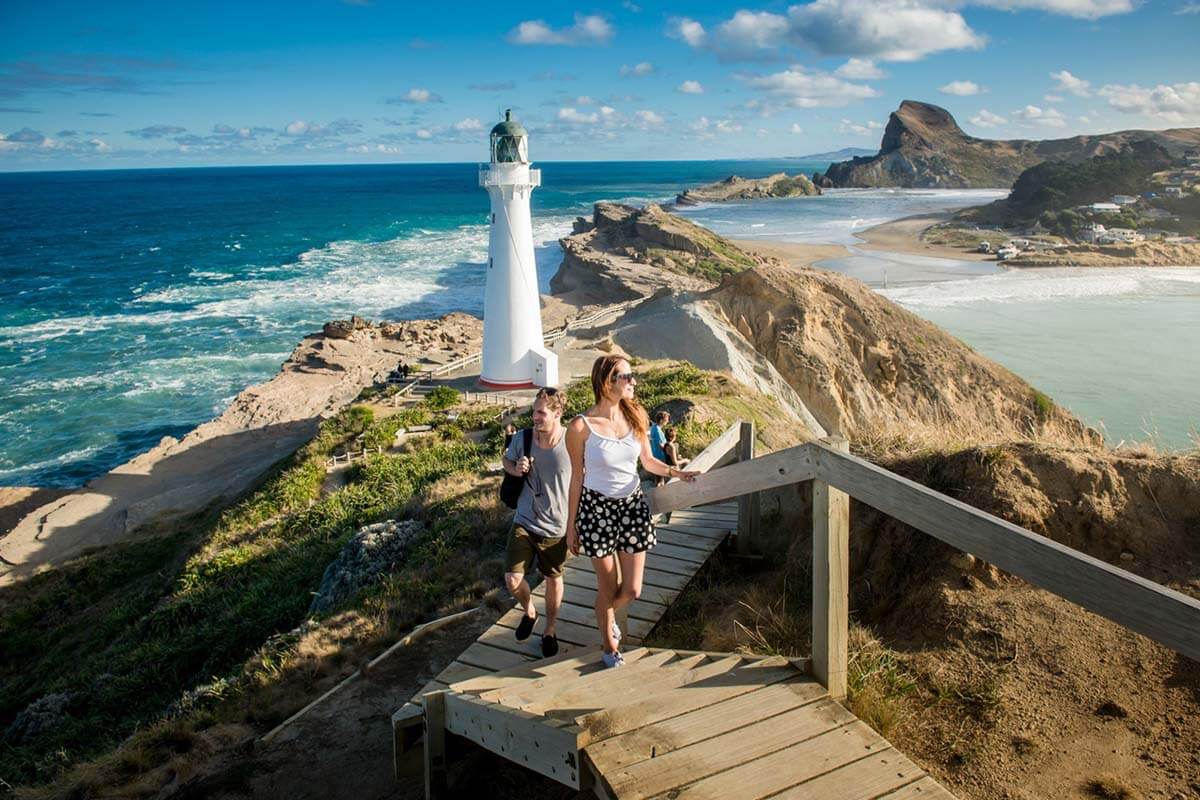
point(673, 724)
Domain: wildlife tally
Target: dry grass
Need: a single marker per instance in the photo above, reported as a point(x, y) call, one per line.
point(1111, 787)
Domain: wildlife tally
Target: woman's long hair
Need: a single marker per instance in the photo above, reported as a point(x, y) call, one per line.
point(635, 415)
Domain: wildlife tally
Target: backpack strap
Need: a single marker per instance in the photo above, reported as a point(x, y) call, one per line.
point(527, 435)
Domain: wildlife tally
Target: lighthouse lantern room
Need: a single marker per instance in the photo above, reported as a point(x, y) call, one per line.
point(514, 355)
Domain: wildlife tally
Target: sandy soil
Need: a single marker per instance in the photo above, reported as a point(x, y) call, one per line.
point(904, 236)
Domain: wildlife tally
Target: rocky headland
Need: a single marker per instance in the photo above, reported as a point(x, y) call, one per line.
point(738, 188)
point(923, 147)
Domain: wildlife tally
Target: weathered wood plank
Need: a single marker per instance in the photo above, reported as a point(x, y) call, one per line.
point(488, 657)
point(748, 504)
point(739, 747)
point(435, 746)
point(865, 779)
point(925, 789)
point(618, 719)
point(686, 554)
point(1164, 615)
point(523, 692)
point(521, 737)
point(700, 544)
point(566, 631)
point(714, 534)
point(640, 608)
point(782, 468)
point(620, 686)
point(700, 721)
point(830, 582)
point(566, 667)
point(787, 767)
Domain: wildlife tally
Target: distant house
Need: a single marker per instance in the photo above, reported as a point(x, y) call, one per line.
point(1149, 195)
point(1091, 232)
point(1156, 213)
point(1124, 199)
point(1173, 191)
point(1104, 208)
point(1119, 236)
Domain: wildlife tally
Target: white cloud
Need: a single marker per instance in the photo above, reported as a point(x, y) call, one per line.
point(1049, 117)
point(592, 29)
point(576, 118)
point(1188, 8)
point(804, 89)
point(705, 128)
point(986, 119)
point(468, 124)
point(1176, 103)
point(649, 119)
point(848, 126)
point(902, 30)
point(584, 100)
point(416, 97)
point(690, 87)
point(859, 69)
point(300, 129)
point(1069, 83)
point(296, 128)
point(688, 30)
point(99, 146)
point(424, 133)
point(796, 128)
point(1083, 9)
point(639, 70)
point(961, 88)
point(1053, 98)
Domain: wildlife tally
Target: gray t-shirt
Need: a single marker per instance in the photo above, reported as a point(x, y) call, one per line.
point(542, 508)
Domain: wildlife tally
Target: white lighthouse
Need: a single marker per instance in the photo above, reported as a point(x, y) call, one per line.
point(514, 356)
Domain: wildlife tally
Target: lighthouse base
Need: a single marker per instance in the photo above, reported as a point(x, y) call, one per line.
point(506, 385)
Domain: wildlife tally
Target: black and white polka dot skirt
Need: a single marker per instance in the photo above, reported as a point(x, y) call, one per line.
point(609, 524)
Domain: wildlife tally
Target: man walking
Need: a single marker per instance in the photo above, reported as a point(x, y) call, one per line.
point(540, 525)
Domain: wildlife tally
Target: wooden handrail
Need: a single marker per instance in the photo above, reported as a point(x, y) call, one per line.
point(1168, 617)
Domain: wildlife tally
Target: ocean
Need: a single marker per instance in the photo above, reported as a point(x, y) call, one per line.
point(136, 304)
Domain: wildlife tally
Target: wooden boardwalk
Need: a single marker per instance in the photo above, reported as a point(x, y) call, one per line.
point(679, 725)
point(684, 544)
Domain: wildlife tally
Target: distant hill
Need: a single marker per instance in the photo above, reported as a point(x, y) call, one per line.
point(838, 155)
point(924, 147)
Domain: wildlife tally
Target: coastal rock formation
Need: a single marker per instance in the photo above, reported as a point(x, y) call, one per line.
point(737, 188)
point(371, 552)
point(625, 253)
point(862, 364)
point(923, 147)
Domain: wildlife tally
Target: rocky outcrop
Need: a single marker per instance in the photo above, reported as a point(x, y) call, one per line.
point(371, 553)
point(923, 147)
point(738, 188)
point(1146, 254)
point(625, 253)
point(862, 364)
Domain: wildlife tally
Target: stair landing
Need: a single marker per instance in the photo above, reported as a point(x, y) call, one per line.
point(679, 725)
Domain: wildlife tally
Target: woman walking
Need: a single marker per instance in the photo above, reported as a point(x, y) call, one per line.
point(608, 518)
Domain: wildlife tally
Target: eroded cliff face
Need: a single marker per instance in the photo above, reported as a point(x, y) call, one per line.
point(863, 364)
point(923, 147)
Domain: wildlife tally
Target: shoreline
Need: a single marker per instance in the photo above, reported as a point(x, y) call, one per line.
point(906, 235)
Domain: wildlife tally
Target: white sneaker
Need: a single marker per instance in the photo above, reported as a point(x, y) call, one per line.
point(612, 660)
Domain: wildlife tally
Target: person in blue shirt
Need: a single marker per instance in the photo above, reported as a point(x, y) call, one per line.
point(657, 435)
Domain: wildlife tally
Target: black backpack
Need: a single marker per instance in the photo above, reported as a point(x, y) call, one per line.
point(511, 487)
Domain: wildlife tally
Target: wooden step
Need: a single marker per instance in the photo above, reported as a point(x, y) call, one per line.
point(586, 596)
point(521, 693)
point(925, 789)
point(619, 685)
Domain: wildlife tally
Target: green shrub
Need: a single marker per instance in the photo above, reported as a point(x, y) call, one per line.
point(441, 398)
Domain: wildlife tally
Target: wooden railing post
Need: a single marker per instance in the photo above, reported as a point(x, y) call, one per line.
point(831, 581)
point(435, 746)
point(748, 504)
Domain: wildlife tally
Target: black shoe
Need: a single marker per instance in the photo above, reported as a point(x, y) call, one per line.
point(525, 628)
point(549, 646)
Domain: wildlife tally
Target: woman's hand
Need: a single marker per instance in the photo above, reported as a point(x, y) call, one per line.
point(573, 539)
point(684, 474)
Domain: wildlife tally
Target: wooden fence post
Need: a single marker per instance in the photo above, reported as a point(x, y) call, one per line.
point(831, 581)
point(748, 504)
point(435, 745)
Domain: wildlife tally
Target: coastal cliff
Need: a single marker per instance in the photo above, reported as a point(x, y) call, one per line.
point(738, 188)
point(624, 253)
point(923, 147)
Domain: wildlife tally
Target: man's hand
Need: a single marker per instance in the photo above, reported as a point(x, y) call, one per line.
point(573, 539)
point(523, 465)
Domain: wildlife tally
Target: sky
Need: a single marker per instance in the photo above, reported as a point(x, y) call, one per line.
point(130, 85)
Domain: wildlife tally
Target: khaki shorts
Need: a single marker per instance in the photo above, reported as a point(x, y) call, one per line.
point(524, 548)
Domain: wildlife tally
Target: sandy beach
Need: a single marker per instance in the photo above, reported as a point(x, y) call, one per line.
point(905, 236)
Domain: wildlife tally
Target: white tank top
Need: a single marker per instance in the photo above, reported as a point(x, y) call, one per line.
point(610, 465)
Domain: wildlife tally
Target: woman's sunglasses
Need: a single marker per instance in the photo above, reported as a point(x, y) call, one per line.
point(624, 376)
